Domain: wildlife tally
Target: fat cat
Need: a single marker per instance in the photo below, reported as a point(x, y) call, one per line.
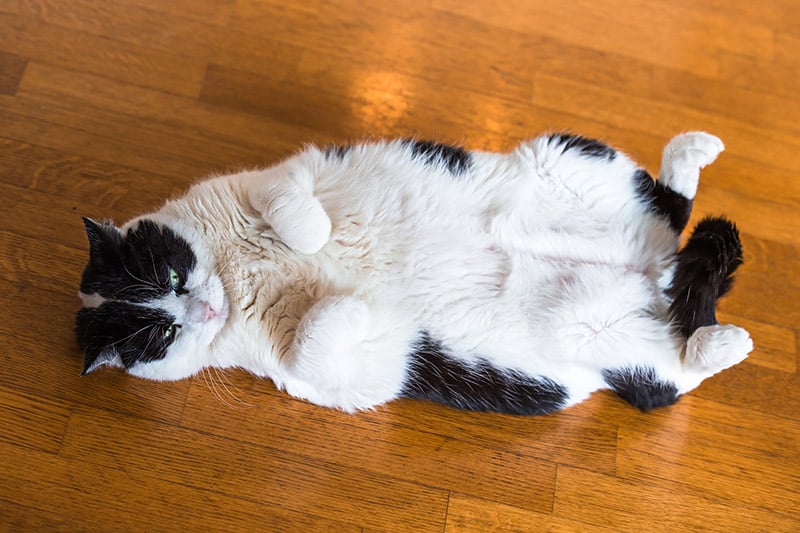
point(516, 282)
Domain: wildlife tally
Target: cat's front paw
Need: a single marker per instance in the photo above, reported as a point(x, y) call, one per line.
point(292, 211)
point(327, 339)
point(684, 156)
point(299, 220)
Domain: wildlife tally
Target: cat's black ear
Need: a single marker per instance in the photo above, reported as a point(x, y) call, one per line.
point(101, 235)
point(97, 349)
point(95, 359)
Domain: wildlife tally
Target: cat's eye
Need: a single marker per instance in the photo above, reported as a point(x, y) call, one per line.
point(174, 279)
point(170, 332)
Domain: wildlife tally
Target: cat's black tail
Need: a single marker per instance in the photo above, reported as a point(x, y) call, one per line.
point(704, 273)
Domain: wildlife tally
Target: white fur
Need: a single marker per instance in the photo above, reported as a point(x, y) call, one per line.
point(683, 158)
point(540, 261)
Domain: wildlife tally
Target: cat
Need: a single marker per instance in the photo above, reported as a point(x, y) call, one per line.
point(352, 275)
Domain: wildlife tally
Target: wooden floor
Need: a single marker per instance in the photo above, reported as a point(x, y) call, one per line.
point(108, 108)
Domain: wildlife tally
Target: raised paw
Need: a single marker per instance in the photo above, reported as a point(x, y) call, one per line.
point(715, 348)
point(300, 221)
point(683, 158)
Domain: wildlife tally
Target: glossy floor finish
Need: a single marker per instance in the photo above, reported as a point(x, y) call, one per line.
point(107, 108)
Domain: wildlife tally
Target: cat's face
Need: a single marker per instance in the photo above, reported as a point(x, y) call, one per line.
point(151, 304)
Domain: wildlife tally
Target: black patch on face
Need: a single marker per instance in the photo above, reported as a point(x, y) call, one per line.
point(433, 375)
point(136, 267)
point(336, 151)
point(135, 333)
point(704, 273)
point(457, 160)
point(665, 202)
point(584, 145)
point(641, 387)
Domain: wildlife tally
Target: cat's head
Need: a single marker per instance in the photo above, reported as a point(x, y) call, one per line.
point(152, 302)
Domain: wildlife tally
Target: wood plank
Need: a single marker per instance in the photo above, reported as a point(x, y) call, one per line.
point(137, 65)
point(374, 443)
point(609, 502)
point(27, 262)
point(142, 26)
point(756, 179)
point(724, 453)
point(71, 177)
point(241, 90)
point(239, 138)
point(471, 515)
point(642, 114)
point(766, 287)
point(41, 359)
point(12, 68)
point(755, 388)
point(450, 51)
point(80, 495)
point(700, 38)
point(631, 506)
point(62, 218)
point(580, 435)
point(255, 473)
point(62, 128)
point(760, 218)
point(217, 12)
point(34, 422)
point(776, 347)
point(20, 517)
point(781, 15)
point(758, 75)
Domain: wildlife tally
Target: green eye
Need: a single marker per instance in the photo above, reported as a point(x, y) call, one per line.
point(174, 279)
point(169, 334)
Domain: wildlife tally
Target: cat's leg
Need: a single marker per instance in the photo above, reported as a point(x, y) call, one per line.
point(657, 379)
point(672, 196)
point(285, 199)
point(347, 356)
point(606, 322)
point(703, 273)
point(682, 159)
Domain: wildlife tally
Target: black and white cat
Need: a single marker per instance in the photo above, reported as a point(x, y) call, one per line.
point(353, 275)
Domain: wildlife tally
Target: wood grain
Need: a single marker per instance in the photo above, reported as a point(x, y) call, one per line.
point(108, 109)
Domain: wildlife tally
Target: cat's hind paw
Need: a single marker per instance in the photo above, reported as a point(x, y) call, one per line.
point(715, 348)
point(684, 156)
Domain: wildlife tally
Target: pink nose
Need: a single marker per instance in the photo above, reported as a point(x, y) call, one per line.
point(200, 311)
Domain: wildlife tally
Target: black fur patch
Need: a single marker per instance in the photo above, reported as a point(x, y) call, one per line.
point(584, 145)
point(432, 375)
point(134, 268)
point(665, 202)
point(704, 273)
point(336, 151)
point(457, 160)
point(641, 387)
point(134, 332)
